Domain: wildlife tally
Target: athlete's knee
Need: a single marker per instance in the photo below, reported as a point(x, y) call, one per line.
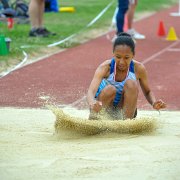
point(109, 91)
point(131, 86)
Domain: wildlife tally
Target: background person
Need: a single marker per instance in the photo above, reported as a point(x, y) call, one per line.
point(122, 9)
point(36, 11)
point(130, 18)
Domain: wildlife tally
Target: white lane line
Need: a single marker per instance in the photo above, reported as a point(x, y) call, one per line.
point(72, 104)
point(62, 41)
point(16, 67)
point(100, 14)
point(174, 49)
point(88, 25)
point(160, 52)
point(78, 101)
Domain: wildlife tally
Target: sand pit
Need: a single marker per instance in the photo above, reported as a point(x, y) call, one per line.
point(29, 149)
point(70, 123)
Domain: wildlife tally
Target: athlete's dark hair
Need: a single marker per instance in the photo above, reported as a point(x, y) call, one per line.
point(124, 39)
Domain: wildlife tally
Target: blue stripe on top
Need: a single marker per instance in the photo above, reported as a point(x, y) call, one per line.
point(118, 85)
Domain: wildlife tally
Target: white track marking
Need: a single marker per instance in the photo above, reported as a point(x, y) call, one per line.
point(77, 101)
point(16, 67)
point(160, 52)
point(88, 25)
point(174, 49)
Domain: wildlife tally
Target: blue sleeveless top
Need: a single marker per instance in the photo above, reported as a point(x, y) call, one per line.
point(118, 85)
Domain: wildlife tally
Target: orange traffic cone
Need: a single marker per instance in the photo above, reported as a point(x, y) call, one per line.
point(161, 29)
point(171, 35)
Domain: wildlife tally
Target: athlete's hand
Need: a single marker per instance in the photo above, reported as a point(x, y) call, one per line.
point(96, 106)
point(159, 105)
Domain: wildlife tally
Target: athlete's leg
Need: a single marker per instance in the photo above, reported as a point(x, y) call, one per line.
point(129, 101)
point(106, 96)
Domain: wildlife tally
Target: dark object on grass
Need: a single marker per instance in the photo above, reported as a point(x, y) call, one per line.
point(51, 6)
point(8, 41)
point(21, 8)
point(17, 9)
point(5, 4)
point(9, 12)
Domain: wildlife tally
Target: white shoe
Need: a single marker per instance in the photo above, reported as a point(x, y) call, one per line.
point(135, 34)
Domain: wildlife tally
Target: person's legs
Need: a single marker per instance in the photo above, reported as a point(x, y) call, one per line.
point(106, 96)
point(41, 12)
point(130, 17)
point(35, 13)
point(128, 102)
point(36, 10)
point(130, 12)
point(130, 95)
point(122, 8)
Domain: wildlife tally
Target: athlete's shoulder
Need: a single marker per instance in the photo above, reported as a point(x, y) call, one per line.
point(105, 64)
point(104, 67)
point(138, 65)
point(139, 68)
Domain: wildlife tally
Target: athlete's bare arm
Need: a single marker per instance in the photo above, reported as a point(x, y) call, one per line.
point(143, 80)
point(101, 72)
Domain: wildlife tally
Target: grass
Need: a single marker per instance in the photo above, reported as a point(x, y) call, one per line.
point(65, 24)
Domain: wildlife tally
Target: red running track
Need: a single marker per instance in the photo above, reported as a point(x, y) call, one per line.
point(65, 77)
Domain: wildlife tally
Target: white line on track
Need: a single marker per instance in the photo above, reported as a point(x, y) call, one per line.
point(159, 53)
point(174, 49)
point(78, 101)
point(3, 74)
point(16, 67)
point(88, 25)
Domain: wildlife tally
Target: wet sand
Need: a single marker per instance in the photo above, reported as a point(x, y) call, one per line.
point(29, 149)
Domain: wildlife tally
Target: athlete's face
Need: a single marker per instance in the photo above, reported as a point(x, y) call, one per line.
point(123, 56)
